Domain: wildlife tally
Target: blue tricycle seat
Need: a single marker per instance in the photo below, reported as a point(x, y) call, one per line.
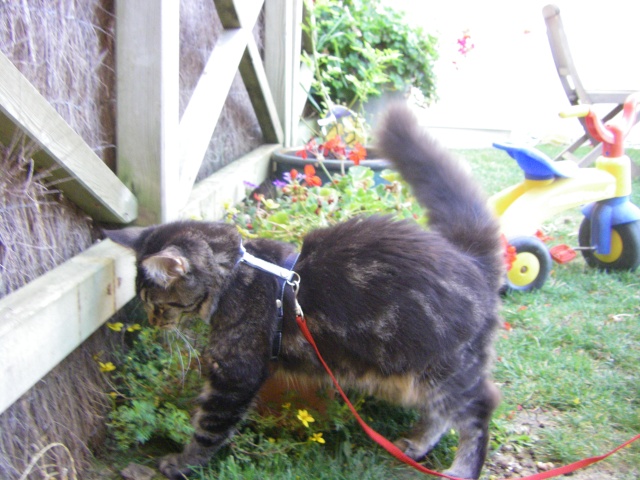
point(535, 164)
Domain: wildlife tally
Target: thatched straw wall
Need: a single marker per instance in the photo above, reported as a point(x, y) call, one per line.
point(39, 230)
point(66, 49)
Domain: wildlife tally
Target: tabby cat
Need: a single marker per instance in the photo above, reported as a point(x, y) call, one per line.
point(397, 311)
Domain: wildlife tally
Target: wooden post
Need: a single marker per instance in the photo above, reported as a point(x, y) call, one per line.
point(282, 59)
point(148, 37)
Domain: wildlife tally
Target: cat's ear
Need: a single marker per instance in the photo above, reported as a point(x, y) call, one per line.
point(165, 267)
point(127, 237)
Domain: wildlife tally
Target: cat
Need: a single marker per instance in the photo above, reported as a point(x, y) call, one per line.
point(398, 311)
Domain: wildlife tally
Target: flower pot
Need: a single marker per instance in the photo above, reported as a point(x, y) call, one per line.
point(285, 160)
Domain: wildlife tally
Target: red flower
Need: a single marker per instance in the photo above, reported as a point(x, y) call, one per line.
point(310, 176)
point(294, 173)
point(510, 253)
point(543, 236)
point(311, 148)
point(311, 145)
point(335, 146)
point(358, 153)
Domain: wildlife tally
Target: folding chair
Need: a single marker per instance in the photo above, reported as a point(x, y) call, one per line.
point(575, 91)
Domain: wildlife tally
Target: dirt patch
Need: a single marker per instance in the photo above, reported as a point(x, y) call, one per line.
point(513, 460)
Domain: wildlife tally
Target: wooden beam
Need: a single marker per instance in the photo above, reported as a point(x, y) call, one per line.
point(255, 79)
point(282, 59)
point(148, 37)
point(227, 185)
point(203, 111)
point(238, 13)
point(82, 177)
point(228, 13)
point(44, 321)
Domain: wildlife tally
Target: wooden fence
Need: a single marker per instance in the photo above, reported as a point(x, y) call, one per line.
point(158, 157)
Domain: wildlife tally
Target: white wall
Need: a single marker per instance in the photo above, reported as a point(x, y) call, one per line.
point(508, 81)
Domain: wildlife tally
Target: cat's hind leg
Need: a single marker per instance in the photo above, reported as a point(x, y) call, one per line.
point(472, 424)
point(469, 412)
point(426, 432)
point(422, 438)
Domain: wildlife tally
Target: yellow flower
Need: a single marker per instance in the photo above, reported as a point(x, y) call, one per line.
point(286, 406)
point(134, 327)
point(271, 440)
point(270, 204)
point(116, 327)
point(305, 418)
point(317, 437)
point(106, 367)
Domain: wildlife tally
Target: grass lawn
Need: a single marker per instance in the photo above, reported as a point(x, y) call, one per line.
point(568, 366)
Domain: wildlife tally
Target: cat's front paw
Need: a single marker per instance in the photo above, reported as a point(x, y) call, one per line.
point(174, 466)
point(463, 474)
point(410, 449)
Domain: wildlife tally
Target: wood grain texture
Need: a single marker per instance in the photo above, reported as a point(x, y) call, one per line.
point(148, 40)
point(77, 171)
point(208, 197)
point(44, 321)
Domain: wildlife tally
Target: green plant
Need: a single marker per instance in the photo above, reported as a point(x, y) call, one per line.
point(153, 383)
point(361, 47)
point(281, 445)
point(301, 203)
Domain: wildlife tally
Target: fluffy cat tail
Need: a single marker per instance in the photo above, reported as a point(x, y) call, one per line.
point(456, 206)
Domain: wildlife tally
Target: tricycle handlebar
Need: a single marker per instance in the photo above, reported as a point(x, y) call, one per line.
point(612, 133)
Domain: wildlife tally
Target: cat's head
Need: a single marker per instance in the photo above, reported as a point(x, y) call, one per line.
point(182, 267)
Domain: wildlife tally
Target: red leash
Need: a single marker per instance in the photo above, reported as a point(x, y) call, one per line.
point(379, 439)
point(400, 455)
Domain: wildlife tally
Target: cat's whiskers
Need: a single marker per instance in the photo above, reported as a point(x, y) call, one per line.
point(175, 333)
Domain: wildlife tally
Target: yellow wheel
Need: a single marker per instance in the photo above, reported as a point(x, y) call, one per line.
point(625, 247)
point(616, 249)
point(531, 266)
point(525, 269)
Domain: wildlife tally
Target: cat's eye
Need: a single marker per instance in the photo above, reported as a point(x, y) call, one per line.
point(176, 305)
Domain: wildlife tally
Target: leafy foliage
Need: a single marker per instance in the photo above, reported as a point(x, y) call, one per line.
point(300, 204)
point(152, 384)
point(361, 48)
point(277, 444)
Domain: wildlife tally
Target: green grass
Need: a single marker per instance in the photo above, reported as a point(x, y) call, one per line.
point(570, 360)
point(573, 352)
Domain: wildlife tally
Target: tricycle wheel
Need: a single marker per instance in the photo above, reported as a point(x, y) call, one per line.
point(531, 266)
point(625, 247)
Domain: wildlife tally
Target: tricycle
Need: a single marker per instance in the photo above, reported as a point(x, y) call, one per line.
point(609, 235)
